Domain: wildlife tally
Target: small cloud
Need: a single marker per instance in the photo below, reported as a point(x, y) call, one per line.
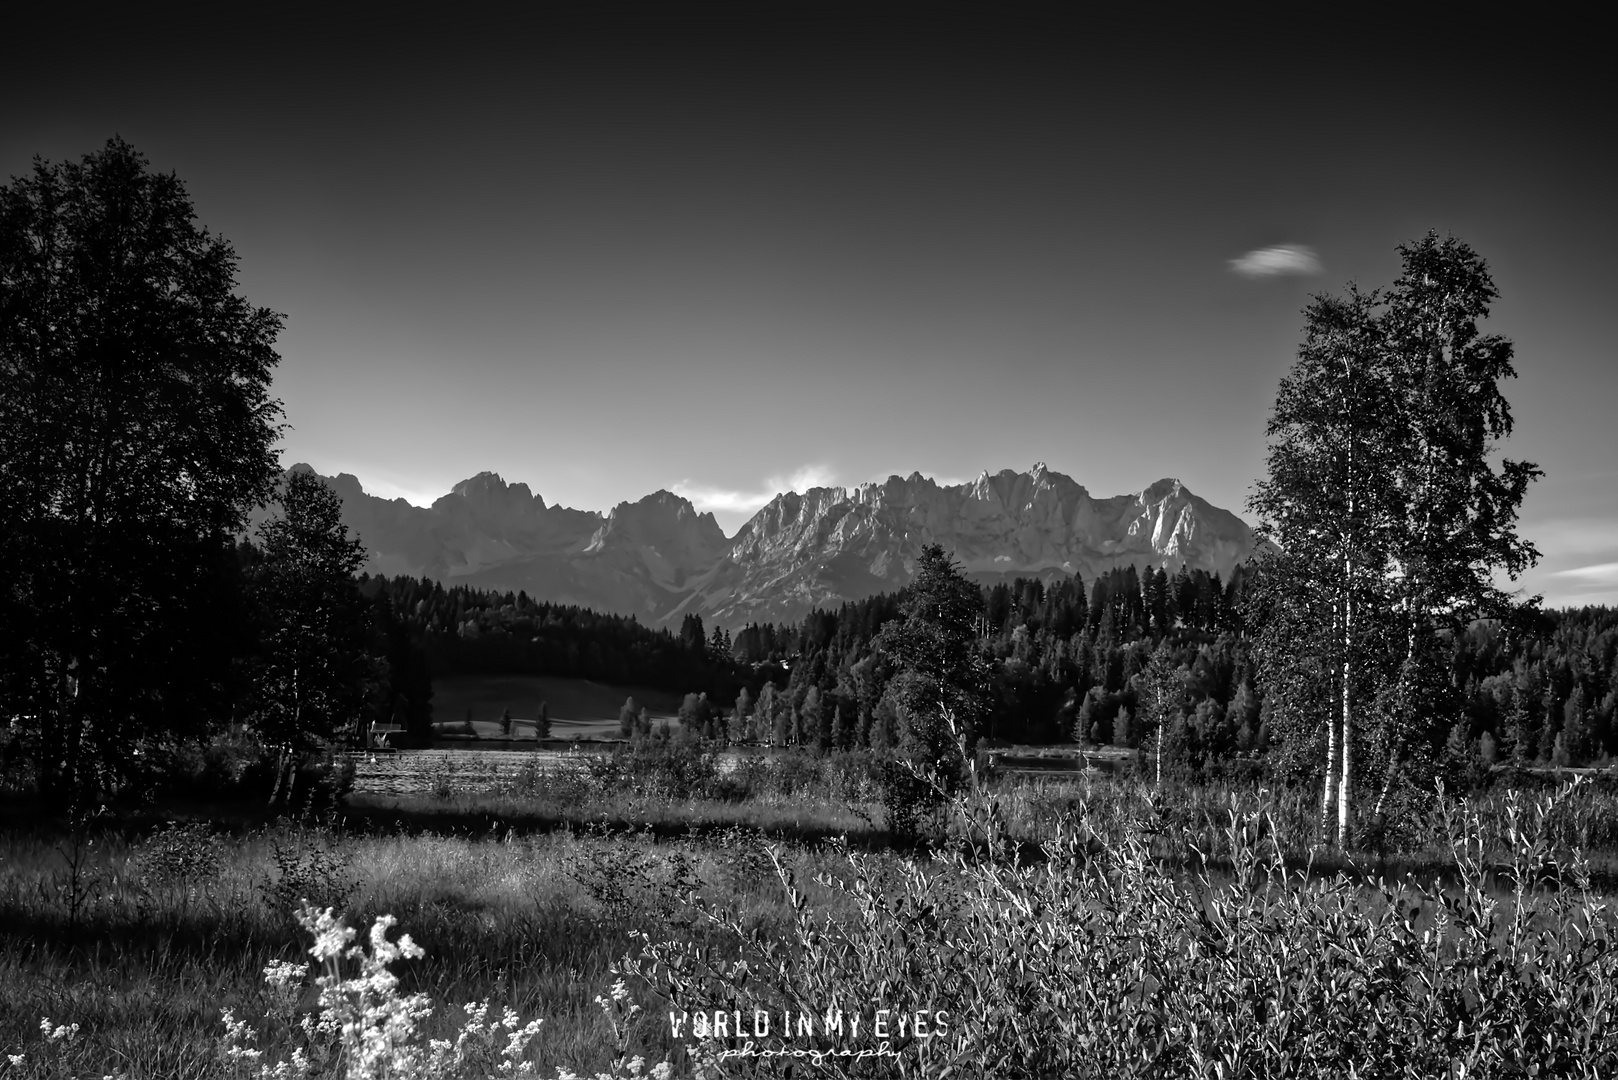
point(803, 478)
point(1274, 261)
point(1596, 574)
point(724, 499)
point(384, 490)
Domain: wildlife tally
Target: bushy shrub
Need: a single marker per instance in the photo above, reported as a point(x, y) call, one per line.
point(312, 864)
point(681, 767)
point(631, 877)
point(174, 868)
point(568, 783)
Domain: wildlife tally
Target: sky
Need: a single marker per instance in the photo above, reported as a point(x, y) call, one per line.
point(728, 250)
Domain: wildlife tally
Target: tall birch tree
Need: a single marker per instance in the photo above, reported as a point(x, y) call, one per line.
point(1391, 517)
point(1455, 508)
point(1325, 506)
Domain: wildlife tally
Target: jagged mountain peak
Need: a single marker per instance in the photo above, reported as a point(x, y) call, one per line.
point(655, 544)
point(823, 547)
point(1167, 488)
point(660, 516)
point(490, 489)
point(659, 558)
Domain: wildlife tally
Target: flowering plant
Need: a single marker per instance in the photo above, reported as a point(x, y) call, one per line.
point(366, 1030)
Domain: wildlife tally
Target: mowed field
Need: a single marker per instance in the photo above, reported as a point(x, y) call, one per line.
point(578, 707)
point(476, 772)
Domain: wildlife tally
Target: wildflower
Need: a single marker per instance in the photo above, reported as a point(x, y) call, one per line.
point(63, 1033)
point(364, 1029)
point(280, 973)
point(331, 934)
point(236, 1034)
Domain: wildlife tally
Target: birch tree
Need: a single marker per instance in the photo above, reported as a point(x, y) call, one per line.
point(1389, 512)
point(1324, 504)
point(1455, 509)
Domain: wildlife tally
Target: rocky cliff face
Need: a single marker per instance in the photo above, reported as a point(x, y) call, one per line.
point(483, 522)
point(659, 559)
point(832, 544)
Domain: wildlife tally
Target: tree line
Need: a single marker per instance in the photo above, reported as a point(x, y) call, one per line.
point(1066, 663)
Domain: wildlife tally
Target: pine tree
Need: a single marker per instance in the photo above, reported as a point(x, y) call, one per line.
point(312, 677)
point(943, 680)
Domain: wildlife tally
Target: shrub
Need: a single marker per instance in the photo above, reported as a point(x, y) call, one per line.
point(312, 865)
point(681, 767)
point(628, 877)
point(177, 863)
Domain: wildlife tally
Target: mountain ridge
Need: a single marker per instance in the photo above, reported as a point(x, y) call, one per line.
point(660, 559)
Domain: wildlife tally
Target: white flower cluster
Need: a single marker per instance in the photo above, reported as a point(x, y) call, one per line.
point(374, 1033)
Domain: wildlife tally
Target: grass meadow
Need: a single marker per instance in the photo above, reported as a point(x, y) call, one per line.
point(1063, 927)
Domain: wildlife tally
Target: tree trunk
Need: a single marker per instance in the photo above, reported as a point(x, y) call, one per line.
point(1348, 636)
point(280, 771)
point(1159, 749)
point(292, 776)
point(1328, 785)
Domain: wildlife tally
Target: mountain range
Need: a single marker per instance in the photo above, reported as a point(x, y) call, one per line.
point(659, 559)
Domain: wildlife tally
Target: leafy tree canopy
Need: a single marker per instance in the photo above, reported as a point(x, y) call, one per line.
point(136, 431)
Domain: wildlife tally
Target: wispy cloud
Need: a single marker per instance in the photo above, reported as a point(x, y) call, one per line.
point(746, 502)
point(1274, 261)
point(1595, 574)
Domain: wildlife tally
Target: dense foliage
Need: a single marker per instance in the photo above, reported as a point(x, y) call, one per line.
point(463, 631)
point(1065, 662)
point(136, 431)
point(136, 436)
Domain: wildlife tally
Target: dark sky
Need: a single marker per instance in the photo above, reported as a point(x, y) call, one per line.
point(731, 249)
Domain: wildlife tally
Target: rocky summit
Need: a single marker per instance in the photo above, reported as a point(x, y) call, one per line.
point(660, 559)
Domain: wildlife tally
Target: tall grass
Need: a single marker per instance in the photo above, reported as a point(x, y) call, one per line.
point(162, 950)
point(1096, 963)
point(1065, 928)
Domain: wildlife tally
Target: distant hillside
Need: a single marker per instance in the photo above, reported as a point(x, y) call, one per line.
point(660, 560)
